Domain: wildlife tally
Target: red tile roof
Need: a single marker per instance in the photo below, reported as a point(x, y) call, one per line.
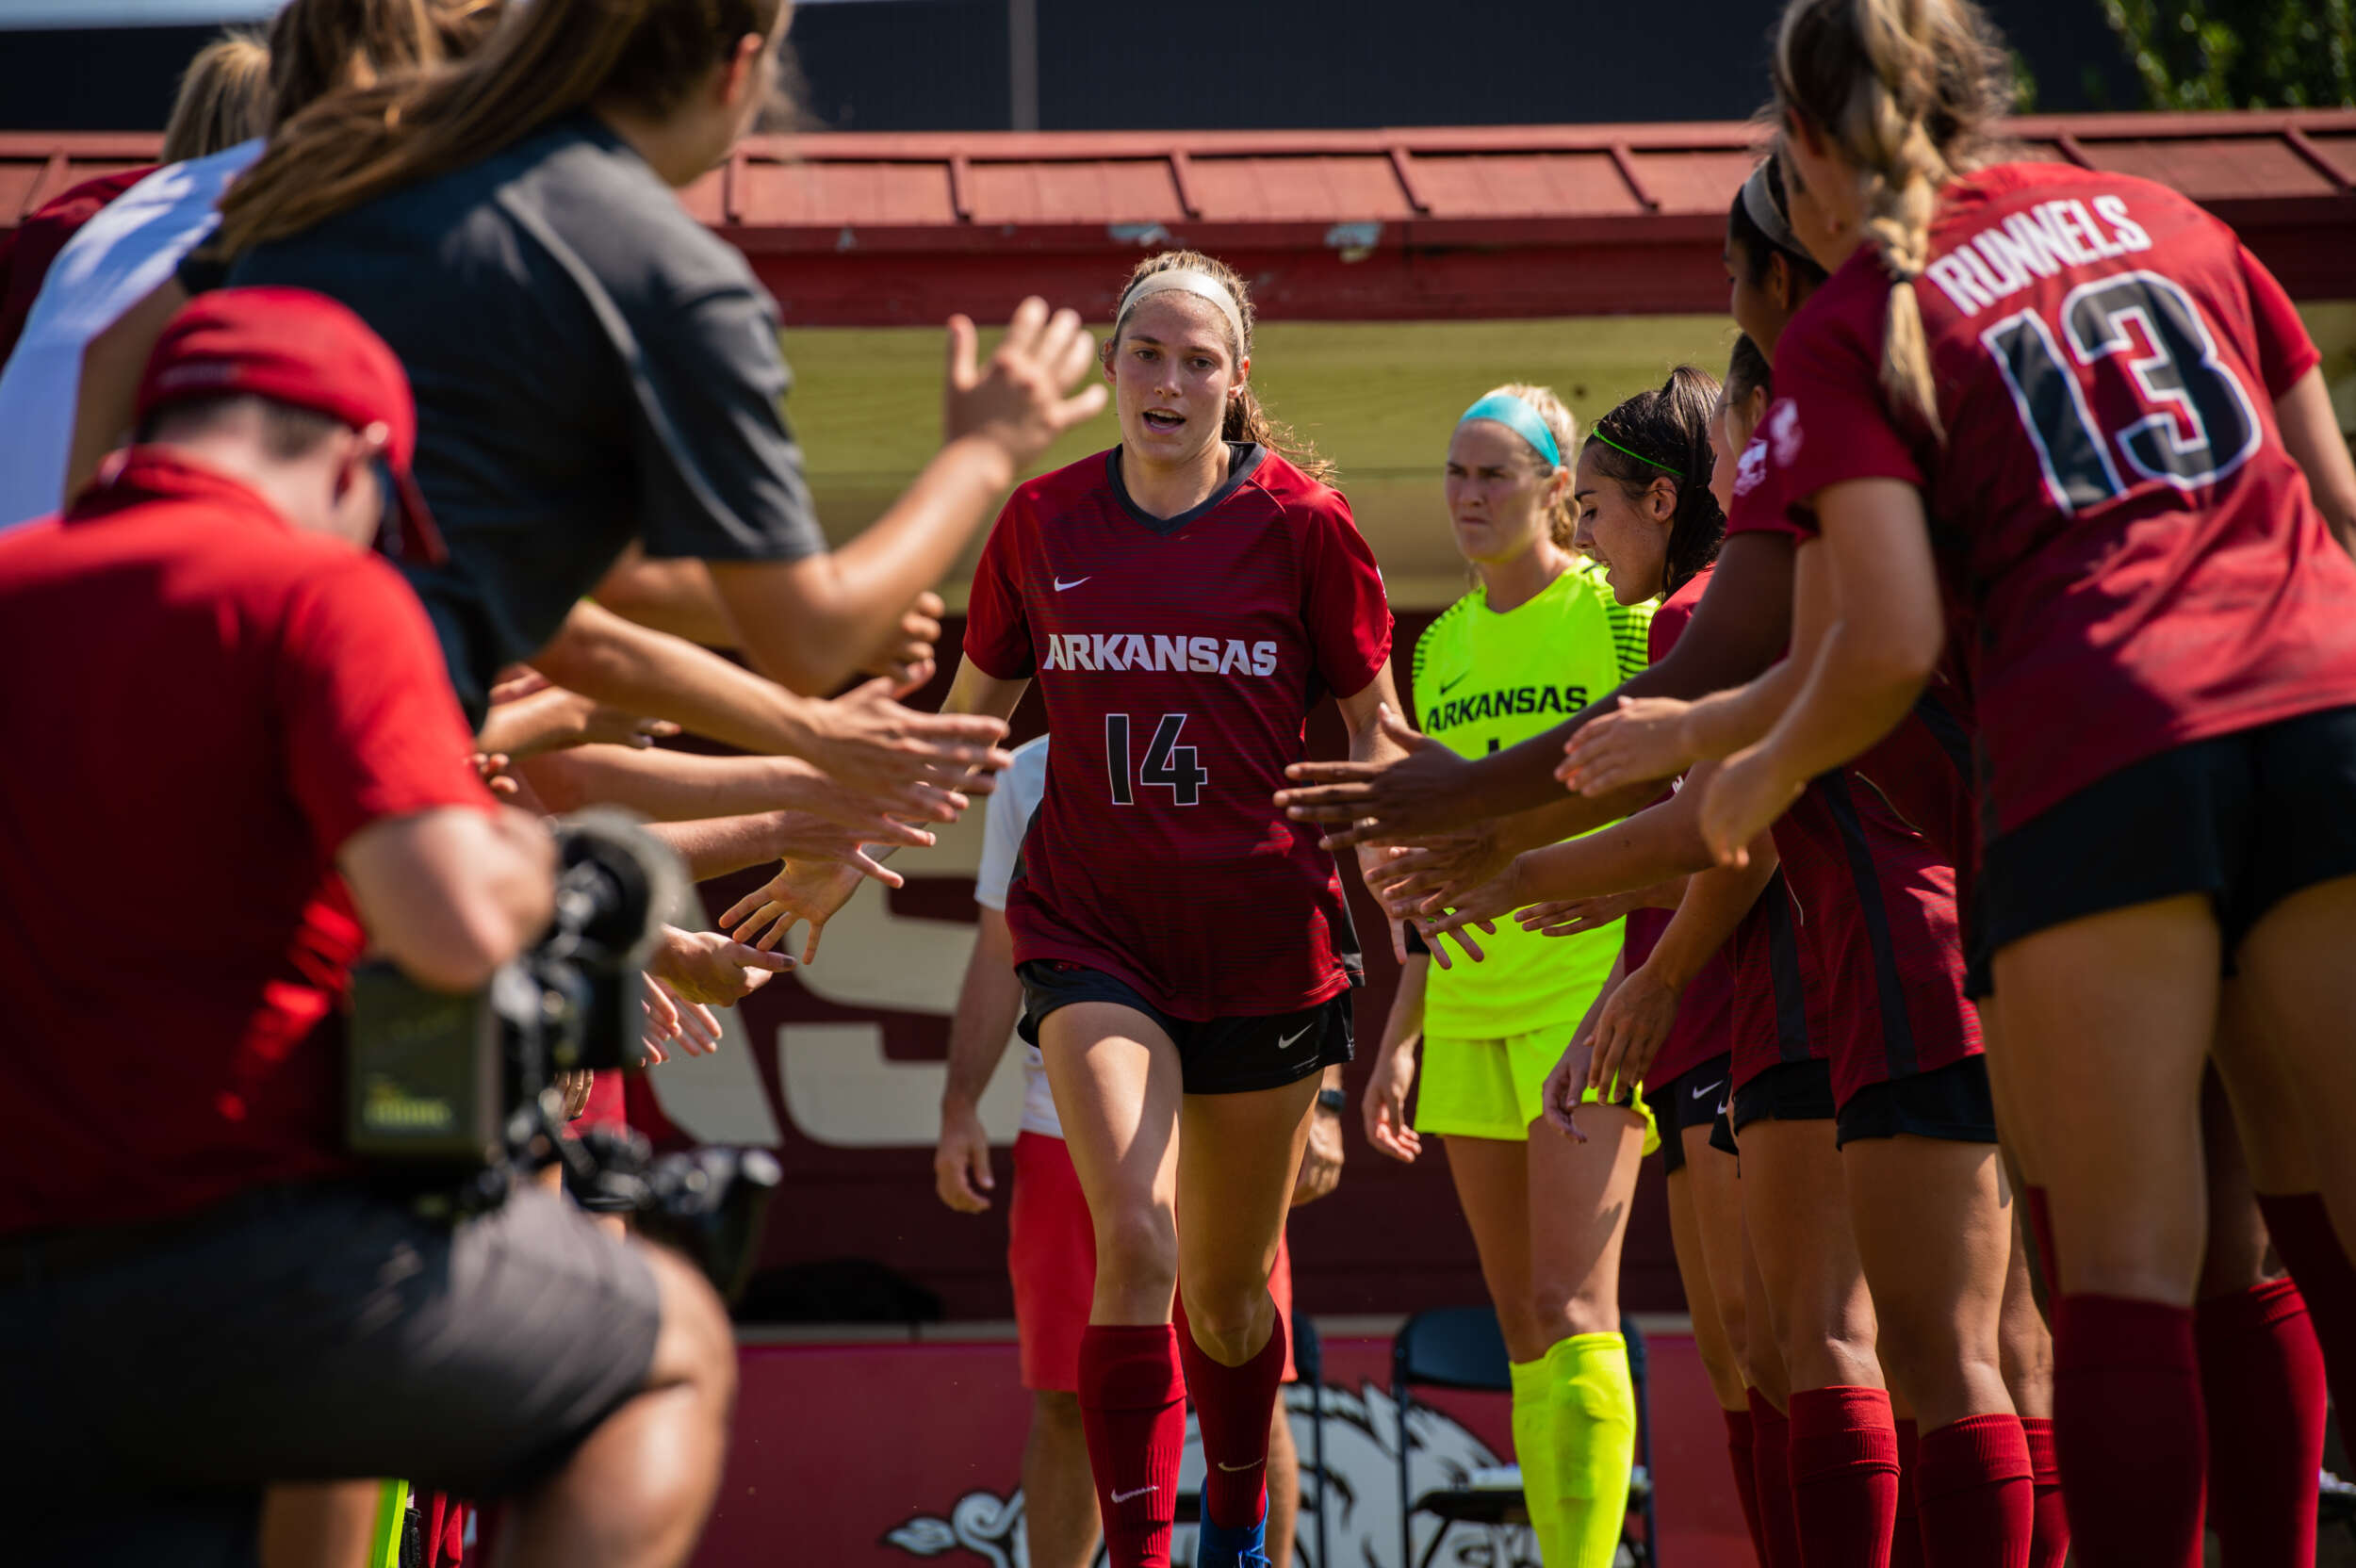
point(1490, 222)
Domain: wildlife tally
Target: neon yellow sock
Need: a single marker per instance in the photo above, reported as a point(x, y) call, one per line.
point(1592, 1403)
point(1533, 1450)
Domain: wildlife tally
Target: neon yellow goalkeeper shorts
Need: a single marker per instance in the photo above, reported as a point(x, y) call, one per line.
point(1494, 1089)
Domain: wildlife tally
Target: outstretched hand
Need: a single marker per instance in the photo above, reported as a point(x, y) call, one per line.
point(801, 892)
point(1392, 802)
point(1641, 739)
point(1743, 799)
point(1017, 399)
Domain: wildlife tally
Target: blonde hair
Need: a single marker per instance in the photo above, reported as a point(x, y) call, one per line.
point(547, 59)
point(1246, 420)
point(223, 100)
point(1906, 89)
point(1561, 515)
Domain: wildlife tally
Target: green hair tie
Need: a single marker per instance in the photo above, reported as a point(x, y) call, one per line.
point(1639, 457)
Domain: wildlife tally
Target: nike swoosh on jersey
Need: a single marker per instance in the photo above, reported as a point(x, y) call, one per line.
point(1061, 584)
point(1447, 686)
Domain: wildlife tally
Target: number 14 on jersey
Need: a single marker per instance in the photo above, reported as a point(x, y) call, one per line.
point(1167, 764)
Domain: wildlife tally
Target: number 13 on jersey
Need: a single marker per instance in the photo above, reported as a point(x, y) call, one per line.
point(1167, 764)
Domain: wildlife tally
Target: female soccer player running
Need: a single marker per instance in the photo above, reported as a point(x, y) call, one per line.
point(1183, 601)
point(2159, 633)
point(1539, 636)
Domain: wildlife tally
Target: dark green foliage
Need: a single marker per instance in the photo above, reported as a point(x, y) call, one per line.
point(2239, 54)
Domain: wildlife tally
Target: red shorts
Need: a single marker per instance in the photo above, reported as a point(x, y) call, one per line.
point(1051, 1254)
point(1878, 904)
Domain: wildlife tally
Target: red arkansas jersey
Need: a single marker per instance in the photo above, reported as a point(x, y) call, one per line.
point(1178, 659)
point(2141, 559)
point(1704, 1023)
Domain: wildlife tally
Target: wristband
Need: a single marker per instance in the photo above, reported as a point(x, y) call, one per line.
point(1332, 1100)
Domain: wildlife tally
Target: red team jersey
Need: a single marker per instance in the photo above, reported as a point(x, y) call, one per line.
point(1869, 859)
point(2140, 560)
point(1705, 1018)
point(1178, 659)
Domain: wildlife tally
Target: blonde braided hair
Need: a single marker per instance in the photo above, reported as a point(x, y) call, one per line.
point(1905, 88)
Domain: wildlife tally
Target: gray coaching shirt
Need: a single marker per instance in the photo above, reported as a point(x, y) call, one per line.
point(591, 365)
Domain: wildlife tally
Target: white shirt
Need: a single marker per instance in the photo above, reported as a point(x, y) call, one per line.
point(132, 246)
point(1005, 817)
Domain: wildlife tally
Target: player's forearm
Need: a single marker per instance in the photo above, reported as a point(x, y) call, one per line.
point(1657, 843)
point(1715, 904)
point(843, 607)
point(672, 785)
point(1405, 1022)
point(676, 597)
point(2310, 433)
point(988, 1002)
point(528, 727)
point(1724, 722)
point(639, 670)
point(715, 846)
point(1864, 683)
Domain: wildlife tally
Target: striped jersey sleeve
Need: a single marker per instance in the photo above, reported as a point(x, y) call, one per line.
point(1631, 626)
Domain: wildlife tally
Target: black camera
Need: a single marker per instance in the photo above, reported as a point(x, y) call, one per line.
point(467, 1086)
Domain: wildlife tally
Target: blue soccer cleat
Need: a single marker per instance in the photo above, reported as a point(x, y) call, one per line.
point(1224, 1546)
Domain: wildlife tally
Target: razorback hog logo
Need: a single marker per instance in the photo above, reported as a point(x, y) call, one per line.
point(1783, 429)
point(1358, 1491)
point(1750, 470)
point(1130, 650)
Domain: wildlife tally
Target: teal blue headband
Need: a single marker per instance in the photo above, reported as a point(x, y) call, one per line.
point(1523, 420)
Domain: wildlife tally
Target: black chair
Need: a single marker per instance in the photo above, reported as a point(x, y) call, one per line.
point(1463, 1347)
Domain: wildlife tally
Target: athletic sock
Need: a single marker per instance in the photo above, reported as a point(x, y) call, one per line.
point(1133, 1410)
point(1844, 1476)
point(2049, 1546)
point(1978, 1494)
point(1739, 1445)
point(1905, 1530)
point(1592, 1400)
point(2262, 1380)
point(1234, 1407)
point(1771, 1452)
point(2311, 1249)
point(1533, 1450)
point(2130, 1432)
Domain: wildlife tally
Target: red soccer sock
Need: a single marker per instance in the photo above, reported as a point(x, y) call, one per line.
point(1739, 1455)
point(2311, 1249)
point(2130, 1431)
point(1771, 1457)
point(1844, 1476)
point(1978, 1494)
point(1132, 1409)
point(1234, 1407)
point(1906, 1531)
point(2048, 1547)
point(2262, 1380)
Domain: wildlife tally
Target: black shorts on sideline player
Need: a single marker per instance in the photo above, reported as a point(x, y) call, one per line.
point(1788, 1091)
point(1689, 1099)
point(2249, 818)
point(1950, 1104)
point(306, 1333)
point(1222, 1055)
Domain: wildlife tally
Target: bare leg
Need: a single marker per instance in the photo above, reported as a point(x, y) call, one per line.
point(1058, 1496)
point(2300, 991)
point(1934, 1237)
point(1237, 1162)
point(636, 1493)
point(1706, 1290)
point(1115, 1081)
point(1492, 1177)
point(1578, 1203)
point(318, 1525)
point(1795, 1207)
point(1284, 1489)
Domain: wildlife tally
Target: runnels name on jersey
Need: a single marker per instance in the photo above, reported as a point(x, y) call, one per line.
point(1129, 650)
point(1479, 707)
point(2005, 258)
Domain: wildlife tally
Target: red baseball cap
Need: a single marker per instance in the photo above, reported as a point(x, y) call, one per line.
point(301, 349)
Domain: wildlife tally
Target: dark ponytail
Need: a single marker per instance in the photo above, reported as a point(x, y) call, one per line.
point(1665, 434)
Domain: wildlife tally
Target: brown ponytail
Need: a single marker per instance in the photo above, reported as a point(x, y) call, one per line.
point(1246, 420)
point(1665, 434)
point(1906, 89)
point(547, 59)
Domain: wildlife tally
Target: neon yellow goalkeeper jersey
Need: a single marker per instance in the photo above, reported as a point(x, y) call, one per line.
point(1484, 681)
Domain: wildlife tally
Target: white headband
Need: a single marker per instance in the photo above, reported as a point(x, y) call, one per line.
point(1185, 281)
